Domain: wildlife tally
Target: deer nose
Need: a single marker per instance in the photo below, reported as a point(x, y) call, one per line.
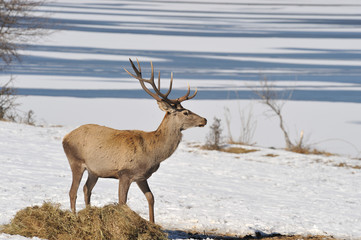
point(203, 123)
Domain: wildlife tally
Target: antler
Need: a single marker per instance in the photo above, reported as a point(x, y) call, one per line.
point(157, 95)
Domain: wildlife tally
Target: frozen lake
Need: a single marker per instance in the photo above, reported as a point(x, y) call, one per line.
point(311, 48)
point(296, 45)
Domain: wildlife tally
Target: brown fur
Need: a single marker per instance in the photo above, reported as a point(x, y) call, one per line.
point(127, 155)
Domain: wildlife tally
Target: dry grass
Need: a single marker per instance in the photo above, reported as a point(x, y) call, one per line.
point(109, 222)
point(240, 143)
point(238, 150)
point(271, 155)
point(306, 150)
point(345, 165)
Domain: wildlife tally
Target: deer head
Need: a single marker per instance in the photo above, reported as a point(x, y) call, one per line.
point(181, 117)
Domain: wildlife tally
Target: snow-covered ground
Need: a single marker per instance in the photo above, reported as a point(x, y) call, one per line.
point(240, 194)
point(75, 76)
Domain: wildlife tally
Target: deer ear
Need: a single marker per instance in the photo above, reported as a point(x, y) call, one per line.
point(164, 106)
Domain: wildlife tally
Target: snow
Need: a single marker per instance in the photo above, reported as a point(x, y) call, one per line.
point(74, 76)
point(196, 189)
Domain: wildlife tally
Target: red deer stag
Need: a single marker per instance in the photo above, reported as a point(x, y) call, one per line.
point(128, 155)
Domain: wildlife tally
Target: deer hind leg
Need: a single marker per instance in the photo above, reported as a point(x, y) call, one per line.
point(88, 187)
point(143, 185)
point(77, 171)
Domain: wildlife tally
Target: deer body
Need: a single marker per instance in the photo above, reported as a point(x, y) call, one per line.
point(121, 150)
point(127, 155)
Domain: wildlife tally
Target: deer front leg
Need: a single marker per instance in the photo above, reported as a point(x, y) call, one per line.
point(143, 185)
point(124, 184)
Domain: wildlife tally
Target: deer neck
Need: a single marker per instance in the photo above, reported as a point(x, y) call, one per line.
point(167, 137)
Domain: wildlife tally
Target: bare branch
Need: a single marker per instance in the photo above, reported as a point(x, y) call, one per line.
point(270, 98)
point(18, 26)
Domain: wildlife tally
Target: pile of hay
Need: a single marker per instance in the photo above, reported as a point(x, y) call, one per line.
point(108, 222)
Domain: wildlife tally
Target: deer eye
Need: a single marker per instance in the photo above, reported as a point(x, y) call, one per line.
point(185, 113)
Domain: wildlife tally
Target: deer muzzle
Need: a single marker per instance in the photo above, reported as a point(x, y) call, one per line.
point(204, 122)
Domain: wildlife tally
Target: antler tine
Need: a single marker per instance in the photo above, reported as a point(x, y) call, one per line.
point(131, 74)
point(186, 97)
point(159, 80)
point(194, 94)
point(165, 96)
point(170, 85)
point(157, 89)
point(138, 72)
point(151, 80)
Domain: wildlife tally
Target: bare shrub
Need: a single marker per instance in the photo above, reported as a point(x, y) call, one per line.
point(272, 99)
point(18, 26)
point(8, 111)
point(247, 126)
point(275, 100)
point(29, 118)
point(7, 101)
point(214, 138)
point(228, 118)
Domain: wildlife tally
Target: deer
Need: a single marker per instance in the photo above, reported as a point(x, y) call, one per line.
point(128, 155)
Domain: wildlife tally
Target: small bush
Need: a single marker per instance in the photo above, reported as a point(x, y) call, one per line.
point(109, 222)
point(29, 118)
point(8, 110)
point(214, 138)
point(7, 101)
point(247, 126)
